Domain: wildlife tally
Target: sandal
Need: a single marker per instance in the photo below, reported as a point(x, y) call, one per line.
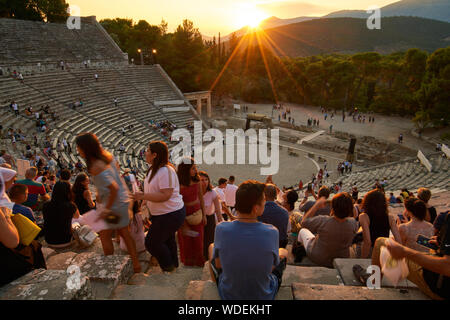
point(360, 274)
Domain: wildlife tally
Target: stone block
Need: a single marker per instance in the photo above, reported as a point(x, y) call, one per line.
point(195, 290)
point(345, 269)
point(285, 293)
point(303, 291)
point(44, 284)
point(146, 292)
point(312, 275)
point(105, 272)
point(60, 261)
point(48, 252)
point(156, 285)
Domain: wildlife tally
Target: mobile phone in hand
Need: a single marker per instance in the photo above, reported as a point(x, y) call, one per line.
point(425, 242)
point(401, 217)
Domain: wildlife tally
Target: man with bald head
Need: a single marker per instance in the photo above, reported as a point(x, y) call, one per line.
point(275, 215)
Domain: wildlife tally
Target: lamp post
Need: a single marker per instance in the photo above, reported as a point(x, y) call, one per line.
point(142, 57)
point(154, 56)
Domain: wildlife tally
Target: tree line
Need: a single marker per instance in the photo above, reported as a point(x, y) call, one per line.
point(414, 83)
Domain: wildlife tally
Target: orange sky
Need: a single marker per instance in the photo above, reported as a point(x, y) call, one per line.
point(214, 16)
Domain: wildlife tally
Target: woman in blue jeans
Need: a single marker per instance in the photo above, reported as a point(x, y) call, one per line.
point(163, 199)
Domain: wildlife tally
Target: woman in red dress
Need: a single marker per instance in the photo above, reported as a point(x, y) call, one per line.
point(190, 235)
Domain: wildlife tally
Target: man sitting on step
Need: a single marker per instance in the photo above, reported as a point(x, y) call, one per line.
point(245, 261)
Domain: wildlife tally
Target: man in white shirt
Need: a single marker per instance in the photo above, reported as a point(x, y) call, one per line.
point(230, 193)
point(16, 109)
point(220, 192)
point(45, 174)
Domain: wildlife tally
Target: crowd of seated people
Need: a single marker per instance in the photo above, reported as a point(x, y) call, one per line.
point(164, 127)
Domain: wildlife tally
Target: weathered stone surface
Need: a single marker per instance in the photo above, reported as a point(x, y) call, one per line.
point(104, 272)
point(285, 293)
point(328, 292)
point(207, 290)
point(60, 261)
point(46, 285)
point(195, 290)
point(313, 275)
point(344, 267)
point(146, 292)
point(48, 252)
point(157, 285)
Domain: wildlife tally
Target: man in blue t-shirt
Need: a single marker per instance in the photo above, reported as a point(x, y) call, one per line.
point(244, 258)
point(19, 194)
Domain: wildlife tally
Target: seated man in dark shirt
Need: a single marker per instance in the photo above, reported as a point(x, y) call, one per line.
point(19, 194)
point(431, 273)
point(324, 192)
point(275, 215)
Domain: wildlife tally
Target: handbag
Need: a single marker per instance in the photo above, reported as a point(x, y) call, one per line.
point(83, 235)
point(27, 229)
point(195, 218)
point(32, 254)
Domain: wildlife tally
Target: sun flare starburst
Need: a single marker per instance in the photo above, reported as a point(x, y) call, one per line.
point(248, 14)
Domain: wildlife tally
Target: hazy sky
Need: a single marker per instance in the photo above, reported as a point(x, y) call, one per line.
point(213, 16)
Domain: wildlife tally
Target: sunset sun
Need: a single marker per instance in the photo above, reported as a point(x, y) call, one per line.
point(249, 15)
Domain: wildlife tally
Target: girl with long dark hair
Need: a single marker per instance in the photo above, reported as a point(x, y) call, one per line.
point(112, 194)
point(165, 203)
point(376, 221)
point(190, 236)
point(58, 214)
point(83, 197)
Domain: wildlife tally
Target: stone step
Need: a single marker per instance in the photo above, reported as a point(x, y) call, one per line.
point(156, 285)
point(311, 275)
point(302, 291)
point(344, 268)
point(104, 272)
point(207, 290)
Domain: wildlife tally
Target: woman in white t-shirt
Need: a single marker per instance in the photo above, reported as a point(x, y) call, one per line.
point(213, 211)
point(165, 203)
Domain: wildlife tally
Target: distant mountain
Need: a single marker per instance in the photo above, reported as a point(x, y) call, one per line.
point(431, 9)
point(271, 22)
point(351, 35)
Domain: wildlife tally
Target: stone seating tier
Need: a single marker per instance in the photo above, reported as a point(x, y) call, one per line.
point(410, 174)
point(36, 42)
